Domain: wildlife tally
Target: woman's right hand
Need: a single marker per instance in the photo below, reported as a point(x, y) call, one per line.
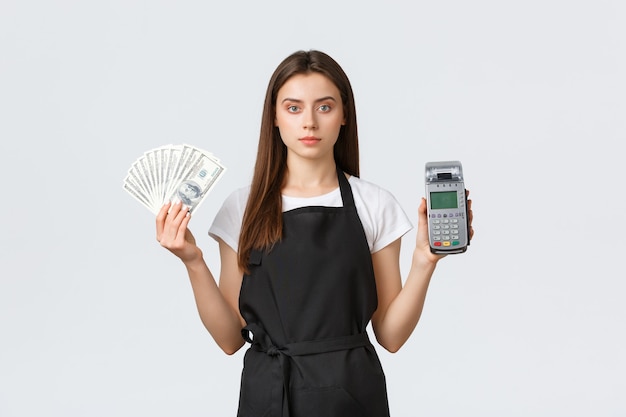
point(173, 234)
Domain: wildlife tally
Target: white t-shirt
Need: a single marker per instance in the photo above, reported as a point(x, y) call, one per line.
point(382, 217)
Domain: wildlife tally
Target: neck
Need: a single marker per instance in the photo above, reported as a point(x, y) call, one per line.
point(310, 178)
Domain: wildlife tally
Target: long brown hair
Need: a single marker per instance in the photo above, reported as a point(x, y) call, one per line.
point(262, 221)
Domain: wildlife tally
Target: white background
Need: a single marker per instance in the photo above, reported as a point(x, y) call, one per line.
point(96, 319)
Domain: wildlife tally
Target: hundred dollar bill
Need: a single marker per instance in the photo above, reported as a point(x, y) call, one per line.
point(136, 172)
point(139, 196)
point(172, 157)
point(183, 154)
point(199, 178)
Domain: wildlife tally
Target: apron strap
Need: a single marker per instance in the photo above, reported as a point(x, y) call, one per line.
point(260, 340)
point(346, 190)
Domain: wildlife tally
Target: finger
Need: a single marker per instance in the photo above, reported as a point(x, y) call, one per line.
point(470, 214)
point(181, 216)
point(182, 229)
point(175, 209)
point(422, 207)
point(160, 219)
point(173, 220)
point(422, 221)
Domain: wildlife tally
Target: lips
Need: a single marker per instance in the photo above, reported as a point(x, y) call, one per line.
point(309, 140)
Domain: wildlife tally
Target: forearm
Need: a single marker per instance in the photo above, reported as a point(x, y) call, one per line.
point(404, 311)
point(219, 318)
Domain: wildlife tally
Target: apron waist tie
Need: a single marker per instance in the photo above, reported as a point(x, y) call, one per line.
point(261, 342)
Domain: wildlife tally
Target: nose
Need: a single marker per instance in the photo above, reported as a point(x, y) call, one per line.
point(309, 120)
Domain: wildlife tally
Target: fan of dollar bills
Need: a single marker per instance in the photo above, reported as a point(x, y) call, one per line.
point(173, 173)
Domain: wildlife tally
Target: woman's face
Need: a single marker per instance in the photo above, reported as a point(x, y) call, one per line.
point(309, 115)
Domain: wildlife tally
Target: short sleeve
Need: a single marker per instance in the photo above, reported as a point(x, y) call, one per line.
point(227, 223)
point(382, 217)
point(393, 222)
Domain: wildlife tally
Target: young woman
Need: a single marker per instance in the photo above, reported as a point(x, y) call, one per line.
point(309, 255)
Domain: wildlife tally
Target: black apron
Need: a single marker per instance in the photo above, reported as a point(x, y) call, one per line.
point(307, 303)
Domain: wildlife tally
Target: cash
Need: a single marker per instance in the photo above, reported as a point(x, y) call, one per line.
point(173, 173)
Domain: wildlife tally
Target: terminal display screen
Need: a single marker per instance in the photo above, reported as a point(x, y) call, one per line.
point(443, 200)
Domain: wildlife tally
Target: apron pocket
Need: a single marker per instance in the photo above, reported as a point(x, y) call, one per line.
point(327, 402)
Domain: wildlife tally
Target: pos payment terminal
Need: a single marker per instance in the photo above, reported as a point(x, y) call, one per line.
point(448, 228)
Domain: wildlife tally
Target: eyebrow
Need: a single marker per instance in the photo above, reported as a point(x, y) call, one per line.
point(295, 100)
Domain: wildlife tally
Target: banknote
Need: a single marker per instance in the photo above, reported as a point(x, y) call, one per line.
point(173, 173)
